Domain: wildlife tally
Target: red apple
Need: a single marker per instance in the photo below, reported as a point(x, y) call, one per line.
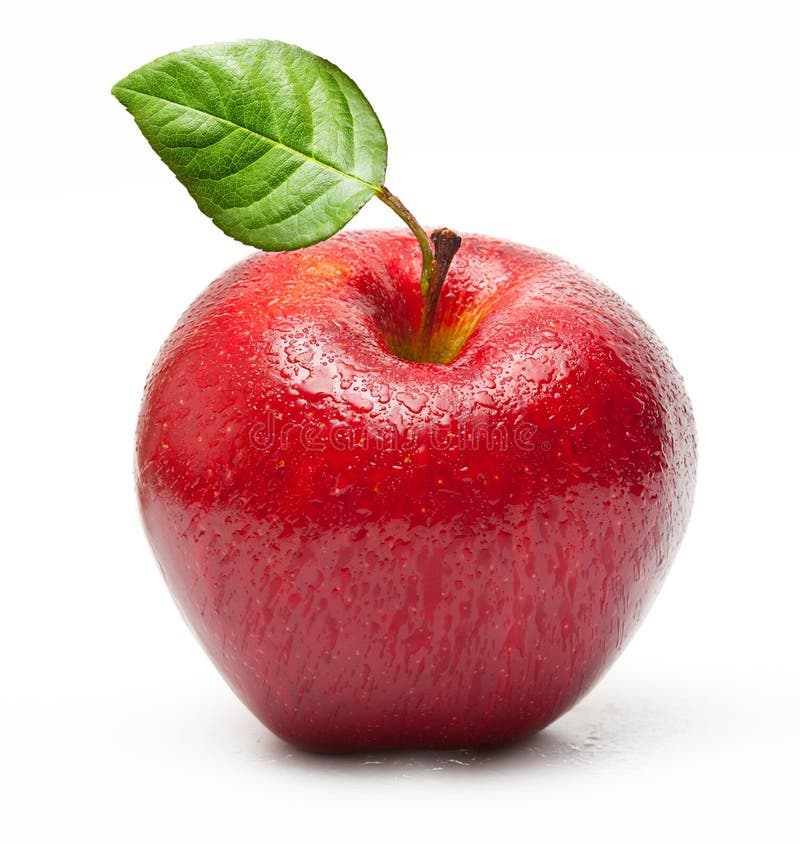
point(377, 552)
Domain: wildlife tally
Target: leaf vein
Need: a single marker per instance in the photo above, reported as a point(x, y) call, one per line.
point(319, 162)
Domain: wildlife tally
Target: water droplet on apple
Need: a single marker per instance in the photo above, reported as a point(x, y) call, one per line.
point(317, 386)
point(360, 403)
point(412, 402)
point(346, 375)
point(381, 392)
point(484, 399)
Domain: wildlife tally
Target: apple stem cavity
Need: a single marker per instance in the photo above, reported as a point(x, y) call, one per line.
point(438, 250)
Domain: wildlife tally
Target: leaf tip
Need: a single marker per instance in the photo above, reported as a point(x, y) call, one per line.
point(117, 90)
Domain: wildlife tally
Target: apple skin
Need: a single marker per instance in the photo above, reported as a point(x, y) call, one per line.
point(378, 553)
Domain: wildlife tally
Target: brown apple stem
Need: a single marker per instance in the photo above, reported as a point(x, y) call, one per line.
point(438, 251)
point(445, 245)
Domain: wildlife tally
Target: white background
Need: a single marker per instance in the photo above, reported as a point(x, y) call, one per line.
point(655, 145)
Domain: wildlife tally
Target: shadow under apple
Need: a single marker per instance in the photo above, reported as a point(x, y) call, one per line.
point(607, 729)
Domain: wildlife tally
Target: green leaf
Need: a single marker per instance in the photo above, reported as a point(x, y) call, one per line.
point(277, 146)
